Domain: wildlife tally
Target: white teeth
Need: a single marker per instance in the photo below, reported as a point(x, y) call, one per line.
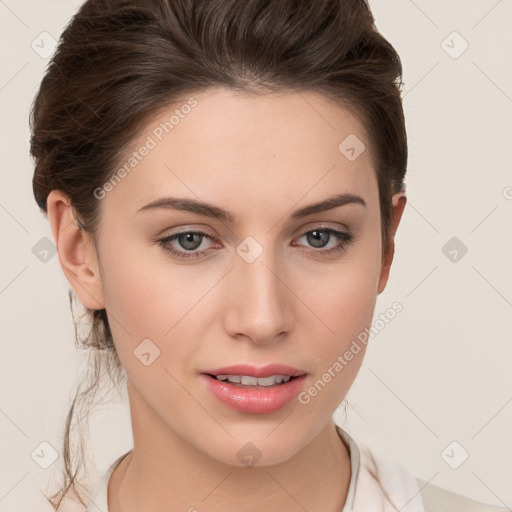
point(247, 380)
point(268, 381)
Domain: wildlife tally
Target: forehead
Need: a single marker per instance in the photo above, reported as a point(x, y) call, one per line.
point(242, 147)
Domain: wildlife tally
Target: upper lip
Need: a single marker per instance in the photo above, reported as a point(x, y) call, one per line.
point(254, 371)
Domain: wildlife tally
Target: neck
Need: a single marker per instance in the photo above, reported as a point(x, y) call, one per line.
point(164, 470)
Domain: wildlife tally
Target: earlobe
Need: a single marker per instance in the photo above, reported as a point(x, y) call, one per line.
point(399, 201)
point(76, 251)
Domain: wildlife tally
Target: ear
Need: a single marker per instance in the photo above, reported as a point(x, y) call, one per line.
point(399, 202)
point(77, 254)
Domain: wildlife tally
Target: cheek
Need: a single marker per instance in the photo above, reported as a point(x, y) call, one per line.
point(337, 353)
point(346, 310)
point(343, 295)
point(148, 297)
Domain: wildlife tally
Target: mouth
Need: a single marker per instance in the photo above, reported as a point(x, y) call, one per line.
point(255, 390)
point(253, 394)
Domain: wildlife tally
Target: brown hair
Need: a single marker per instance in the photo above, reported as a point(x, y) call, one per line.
point(118, 63)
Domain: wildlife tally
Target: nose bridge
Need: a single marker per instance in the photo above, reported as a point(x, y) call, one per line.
point(260, 302)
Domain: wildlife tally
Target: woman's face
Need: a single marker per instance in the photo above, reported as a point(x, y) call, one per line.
point(263, 286)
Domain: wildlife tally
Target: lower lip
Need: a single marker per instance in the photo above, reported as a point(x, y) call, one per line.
point(262, 400)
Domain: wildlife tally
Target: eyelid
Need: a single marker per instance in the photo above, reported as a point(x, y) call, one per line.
point(336, 226)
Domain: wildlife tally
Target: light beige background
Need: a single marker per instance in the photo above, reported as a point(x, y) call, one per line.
point(439, 372)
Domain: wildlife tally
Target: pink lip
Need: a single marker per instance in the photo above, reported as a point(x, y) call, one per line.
point(255, 400)
point(253, 371)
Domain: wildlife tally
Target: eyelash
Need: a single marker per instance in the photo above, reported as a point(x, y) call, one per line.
point(344, 240)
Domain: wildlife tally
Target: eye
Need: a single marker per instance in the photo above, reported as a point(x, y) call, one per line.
point(188, 240)
point(318, 238)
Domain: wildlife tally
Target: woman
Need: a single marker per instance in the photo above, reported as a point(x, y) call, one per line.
point(224, 181)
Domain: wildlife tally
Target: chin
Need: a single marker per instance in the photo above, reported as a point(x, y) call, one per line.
point(256, 448)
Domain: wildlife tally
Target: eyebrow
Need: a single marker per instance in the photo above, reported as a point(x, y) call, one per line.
point(209, 210)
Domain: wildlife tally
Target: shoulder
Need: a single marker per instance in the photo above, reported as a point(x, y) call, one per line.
point(437, 499)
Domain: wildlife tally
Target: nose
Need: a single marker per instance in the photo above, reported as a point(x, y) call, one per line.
point(260, 305)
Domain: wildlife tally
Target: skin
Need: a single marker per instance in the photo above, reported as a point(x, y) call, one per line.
point(260, 157)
